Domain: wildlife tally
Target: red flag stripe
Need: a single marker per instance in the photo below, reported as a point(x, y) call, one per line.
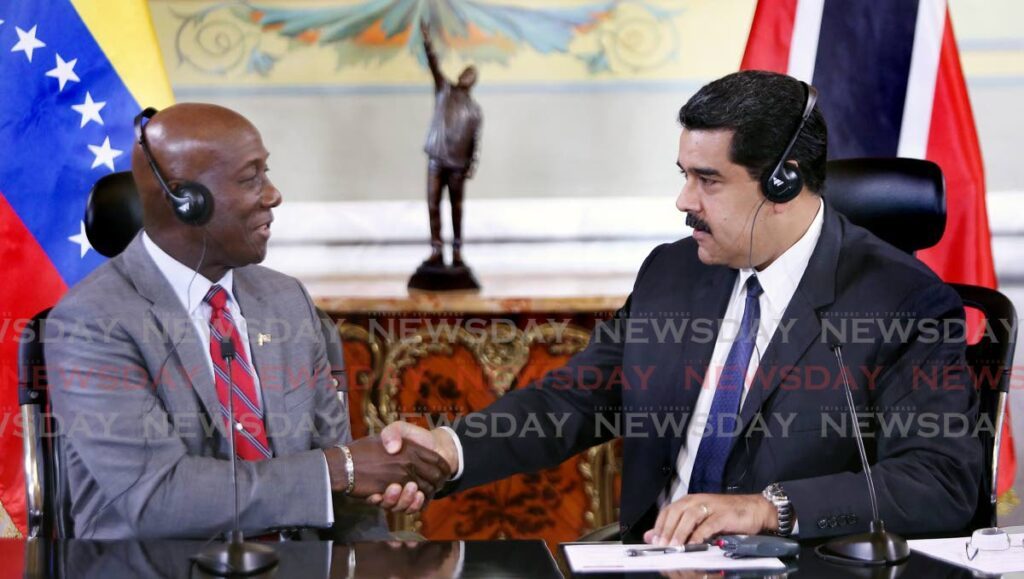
point(31, 284)
point(771, 33)
point(953, 145)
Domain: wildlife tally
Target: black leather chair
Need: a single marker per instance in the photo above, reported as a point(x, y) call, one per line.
point(903, 201)
point(113, 217)
point(990, 361)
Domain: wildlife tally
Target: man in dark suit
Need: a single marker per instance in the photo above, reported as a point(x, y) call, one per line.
point(719, 371)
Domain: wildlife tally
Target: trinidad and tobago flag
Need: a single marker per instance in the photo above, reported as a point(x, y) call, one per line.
point(891, 86)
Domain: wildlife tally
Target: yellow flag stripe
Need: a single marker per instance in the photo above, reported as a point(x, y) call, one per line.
point(125, 33)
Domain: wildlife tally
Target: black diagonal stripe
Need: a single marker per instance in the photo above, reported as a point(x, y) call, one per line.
point(861, 71)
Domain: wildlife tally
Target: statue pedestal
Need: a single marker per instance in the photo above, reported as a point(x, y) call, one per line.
point(443, 278)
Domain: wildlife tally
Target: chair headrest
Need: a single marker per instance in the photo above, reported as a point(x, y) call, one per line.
point(902, 201)
point(113, 214)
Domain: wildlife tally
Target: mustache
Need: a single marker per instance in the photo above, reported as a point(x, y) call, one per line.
point(697, 223)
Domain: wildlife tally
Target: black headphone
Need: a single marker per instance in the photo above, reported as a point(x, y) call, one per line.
point(784, 182)
point(191, 201)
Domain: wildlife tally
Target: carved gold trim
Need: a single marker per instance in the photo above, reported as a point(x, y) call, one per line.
point(367, 380)
point(573, 339)
point(501, 351)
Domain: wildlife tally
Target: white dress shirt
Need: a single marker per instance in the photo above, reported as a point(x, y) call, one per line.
point(779, 282)
point(191, 288)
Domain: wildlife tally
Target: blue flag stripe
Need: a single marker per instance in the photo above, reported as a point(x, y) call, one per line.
point(46, 164)
point(861, 69)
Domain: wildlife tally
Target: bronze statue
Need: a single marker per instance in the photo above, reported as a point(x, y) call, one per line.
point(451, 148)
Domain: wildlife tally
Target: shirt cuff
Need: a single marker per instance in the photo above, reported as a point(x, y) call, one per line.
point(458, 450)
point(330, 502)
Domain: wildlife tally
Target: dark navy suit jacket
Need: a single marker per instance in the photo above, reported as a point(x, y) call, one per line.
point(902, 336)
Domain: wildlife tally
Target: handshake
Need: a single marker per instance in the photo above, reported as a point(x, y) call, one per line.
point(399, 470)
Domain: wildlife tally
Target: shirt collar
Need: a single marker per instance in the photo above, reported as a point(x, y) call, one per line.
point(780, 279)
point(181, 277)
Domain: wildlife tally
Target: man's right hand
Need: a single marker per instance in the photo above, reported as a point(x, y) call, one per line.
point(396, 436)
point(376, 468)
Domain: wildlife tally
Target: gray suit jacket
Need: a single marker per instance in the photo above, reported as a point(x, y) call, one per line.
point(134, 397)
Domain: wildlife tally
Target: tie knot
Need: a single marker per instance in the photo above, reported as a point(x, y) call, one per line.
point(754, 287)
point(217, 297)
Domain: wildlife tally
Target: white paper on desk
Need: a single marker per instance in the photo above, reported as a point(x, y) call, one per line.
point(604, 558)
point(990, 562)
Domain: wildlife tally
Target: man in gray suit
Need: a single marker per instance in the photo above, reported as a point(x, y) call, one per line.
point(138, 356)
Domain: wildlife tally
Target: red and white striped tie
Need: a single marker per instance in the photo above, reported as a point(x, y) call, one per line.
point(251, 439)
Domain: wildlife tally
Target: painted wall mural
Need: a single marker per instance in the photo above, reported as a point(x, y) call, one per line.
point(378, 42)
point(629, 34)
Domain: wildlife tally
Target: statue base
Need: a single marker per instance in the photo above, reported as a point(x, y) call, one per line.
point(443, 278)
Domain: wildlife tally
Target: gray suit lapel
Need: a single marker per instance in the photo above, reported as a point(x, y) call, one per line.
point(269, 358)
point(172, 319)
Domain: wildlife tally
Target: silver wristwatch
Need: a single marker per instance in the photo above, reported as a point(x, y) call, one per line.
point(774, 494)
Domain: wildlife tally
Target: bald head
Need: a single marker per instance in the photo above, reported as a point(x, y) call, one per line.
point(221, 150)
point(185, 140)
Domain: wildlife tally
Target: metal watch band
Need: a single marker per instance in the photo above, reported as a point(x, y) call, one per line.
point(350, 469)
point(774, 494)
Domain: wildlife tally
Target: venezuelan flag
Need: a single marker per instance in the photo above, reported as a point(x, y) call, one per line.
point(73, 74)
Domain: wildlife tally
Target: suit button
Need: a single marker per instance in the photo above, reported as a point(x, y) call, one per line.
point(666, 470)
point(832, 522)
point(853, 519)
point(841, 519)
point(822, 523)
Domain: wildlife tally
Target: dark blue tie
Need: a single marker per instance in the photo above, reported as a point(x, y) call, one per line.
point(720, 429)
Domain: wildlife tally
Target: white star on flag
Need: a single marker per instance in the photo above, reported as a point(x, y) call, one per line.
point(82, 240)
point(104, 154)
point(89, 110)
point(27, 42)
point(64, 71)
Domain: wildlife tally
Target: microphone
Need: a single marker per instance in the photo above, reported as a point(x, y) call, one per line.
point(877, 547)
point(236, 557)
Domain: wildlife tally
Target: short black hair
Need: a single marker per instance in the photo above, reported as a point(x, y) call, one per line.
point(763, 109)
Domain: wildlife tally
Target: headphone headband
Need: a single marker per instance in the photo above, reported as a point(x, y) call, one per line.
point(141, 120)
point(191, 201)
point(782, 185)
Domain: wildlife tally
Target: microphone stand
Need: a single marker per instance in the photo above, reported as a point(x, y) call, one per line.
point(877, 547)
point(236, 557)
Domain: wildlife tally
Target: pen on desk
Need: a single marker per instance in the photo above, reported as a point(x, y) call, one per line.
point(667, 550)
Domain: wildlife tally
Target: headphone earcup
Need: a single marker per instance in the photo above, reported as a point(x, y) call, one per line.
point(783, 186)
point(192, 203)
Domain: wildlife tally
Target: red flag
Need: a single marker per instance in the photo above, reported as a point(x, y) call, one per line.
point(918, 105)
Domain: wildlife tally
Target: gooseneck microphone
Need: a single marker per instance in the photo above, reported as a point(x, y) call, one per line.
point(877, 547)
point(236, 557)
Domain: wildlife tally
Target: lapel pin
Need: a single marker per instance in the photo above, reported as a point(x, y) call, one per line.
point(262, 339)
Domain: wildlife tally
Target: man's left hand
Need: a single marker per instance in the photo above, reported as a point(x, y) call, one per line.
point(697, 518)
